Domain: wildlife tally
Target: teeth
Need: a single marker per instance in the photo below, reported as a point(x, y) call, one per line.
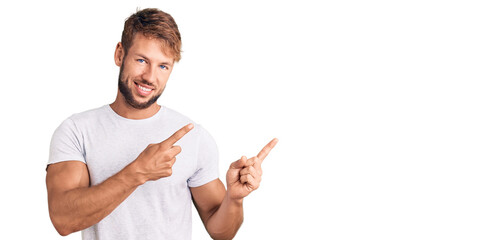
point(144, 89)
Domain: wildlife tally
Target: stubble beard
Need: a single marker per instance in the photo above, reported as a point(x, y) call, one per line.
point(128, 93)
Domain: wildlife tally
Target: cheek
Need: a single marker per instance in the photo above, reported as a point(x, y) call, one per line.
point(132, 70)
point(132, 76)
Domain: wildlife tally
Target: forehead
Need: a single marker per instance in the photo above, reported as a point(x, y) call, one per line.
point(150, 47)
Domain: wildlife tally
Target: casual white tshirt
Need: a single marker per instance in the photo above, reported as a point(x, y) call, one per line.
point(107, 142)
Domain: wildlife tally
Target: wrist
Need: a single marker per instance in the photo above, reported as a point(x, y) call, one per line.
point(233, 201)
point(132, 177)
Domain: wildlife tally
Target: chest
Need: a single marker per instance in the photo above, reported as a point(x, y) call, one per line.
point(108, 150)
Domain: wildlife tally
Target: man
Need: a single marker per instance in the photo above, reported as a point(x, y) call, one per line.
point(115, 172)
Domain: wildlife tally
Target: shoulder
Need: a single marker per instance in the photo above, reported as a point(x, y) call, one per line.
point(89, 114)
point(81, 120)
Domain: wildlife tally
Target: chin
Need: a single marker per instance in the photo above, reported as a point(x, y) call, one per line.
point(146, 103)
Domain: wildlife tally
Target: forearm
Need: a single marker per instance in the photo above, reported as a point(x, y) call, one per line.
point(226, 220)
point(80, 208)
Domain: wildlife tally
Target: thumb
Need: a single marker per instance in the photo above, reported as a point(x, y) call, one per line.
point(239, 163)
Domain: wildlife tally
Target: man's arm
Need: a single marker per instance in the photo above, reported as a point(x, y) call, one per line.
point(222, 211)
point(74, 205)
point(221, 215)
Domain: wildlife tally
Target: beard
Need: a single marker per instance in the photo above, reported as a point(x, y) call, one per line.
point(128, 92)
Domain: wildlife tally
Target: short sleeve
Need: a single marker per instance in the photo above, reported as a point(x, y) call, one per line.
point(207, 160)
point(67, 144)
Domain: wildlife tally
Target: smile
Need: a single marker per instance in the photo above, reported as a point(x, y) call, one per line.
point(143, 90)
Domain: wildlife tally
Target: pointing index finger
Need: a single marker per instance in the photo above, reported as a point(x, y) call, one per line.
point(178, 135)
point(265, 151)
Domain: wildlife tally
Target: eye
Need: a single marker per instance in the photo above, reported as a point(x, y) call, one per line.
point(140, 60)
point(164, 67)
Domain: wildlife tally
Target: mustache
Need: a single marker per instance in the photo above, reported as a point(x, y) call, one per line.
point(143, 81)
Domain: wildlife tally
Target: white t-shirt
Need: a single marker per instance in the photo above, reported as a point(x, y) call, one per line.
point(107, 142)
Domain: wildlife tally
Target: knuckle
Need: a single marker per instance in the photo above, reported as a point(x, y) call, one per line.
point(162, 148)
point(151, 148)
point(172, 152)
point(248, 177)
point(249, 162)
point(177, 149)
point(170, 161)
point(169, 156)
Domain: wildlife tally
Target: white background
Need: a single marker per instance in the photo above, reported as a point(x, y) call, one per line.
point(389, 113)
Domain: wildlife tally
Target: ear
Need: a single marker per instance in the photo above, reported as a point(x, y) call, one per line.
point(119, 54)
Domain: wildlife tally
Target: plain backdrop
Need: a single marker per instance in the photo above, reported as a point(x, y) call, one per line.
point(389, 113)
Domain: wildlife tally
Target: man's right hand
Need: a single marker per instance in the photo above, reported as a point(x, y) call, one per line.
point(157, 160)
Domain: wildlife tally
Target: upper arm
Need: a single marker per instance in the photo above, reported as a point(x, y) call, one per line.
point(207, 198)
point(65, 176)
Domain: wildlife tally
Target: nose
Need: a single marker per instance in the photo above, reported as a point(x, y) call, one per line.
point(149, 74)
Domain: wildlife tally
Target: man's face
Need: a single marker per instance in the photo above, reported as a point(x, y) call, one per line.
point(144, 72)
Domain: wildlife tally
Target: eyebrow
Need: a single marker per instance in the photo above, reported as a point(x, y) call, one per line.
point(162, 63)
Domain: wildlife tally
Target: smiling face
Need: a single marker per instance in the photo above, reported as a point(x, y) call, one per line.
point(144, 71)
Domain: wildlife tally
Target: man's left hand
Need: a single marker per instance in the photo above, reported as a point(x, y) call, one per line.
point(244, 175)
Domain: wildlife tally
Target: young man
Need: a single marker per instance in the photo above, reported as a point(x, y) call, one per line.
point(115, 172)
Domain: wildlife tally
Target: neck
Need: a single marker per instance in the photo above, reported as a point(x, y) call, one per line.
point(121, 107)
